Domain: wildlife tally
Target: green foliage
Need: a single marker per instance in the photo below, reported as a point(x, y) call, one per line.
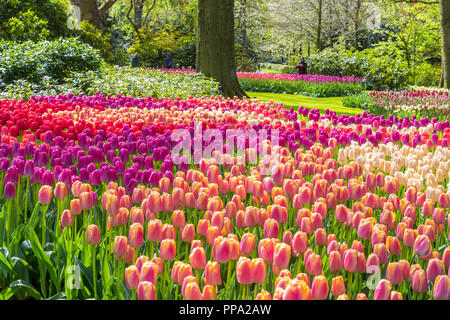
point(277, 68)
point(185, 56)
point(98, 40)
point(55, 59)
point(428, 75)
point(139, 83)
point(370, 64)
point(244, 60)
point(306, 88)
point(33, 19)
point(360, 100)
point(152, 47)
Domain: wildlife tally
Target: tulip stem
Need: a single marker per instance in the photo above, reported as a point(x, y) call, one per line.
point(43, 226)
point(299, 262)
point(350, 283)
point(94, 275)
point(26, 200)
point(8, 221)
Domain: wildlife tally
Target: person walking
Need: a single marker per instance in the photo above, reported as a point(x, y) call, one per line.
point(302, 66)
point(169, 61)
point(136, 62)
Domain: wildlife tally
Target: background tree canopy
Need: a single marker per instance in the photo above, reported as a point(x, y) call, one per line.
point(269, 32)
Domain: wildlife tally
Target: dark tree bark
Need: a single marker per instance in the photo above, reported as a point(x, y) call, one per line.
point(215, 45)
point(357, 22)
point(92, 13)
point(445, 35)
point(319, 26)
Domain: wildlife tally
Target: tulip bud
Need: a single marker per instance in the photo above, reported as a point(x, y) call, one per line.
point(132, 277)
point(154, 230)
point(394, 273)
point(93, 234)
point(45, 195)
point(188, 233)
point(271, 228)
point(146, 291)
point(222, 250)
point(120, 245)
point(435, 268)
point(167, 249)
point(212, 273)
point(319, 288)
point(197, 258)
point(338, 286)
point(335, 262)
point(66, 219)
point(393, 246)
point(422, 246)
point(60, 190)
point(381, 252)
point(247, 244)
point(259, 270)
point(419, 281)
point(350, 258)
point(264, 295)
point(75, 207)
point(149, 272)
point(282, 255)
point(441, 288)
point(314, 264)
point(395, 295)
point(383, 290)
point(299, 243)
point(361, 296)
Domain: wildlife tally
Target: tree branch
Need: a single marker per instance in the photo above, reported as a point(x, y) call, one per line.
point(106, 6)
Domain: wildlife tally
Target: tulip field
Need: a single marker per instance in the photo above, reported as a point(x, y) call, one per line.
point(100, 202)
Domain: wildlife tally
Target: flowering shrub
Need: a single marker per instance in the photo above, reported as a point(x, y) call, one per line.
point(32, 61)
point(214, 198)
point(139, 83)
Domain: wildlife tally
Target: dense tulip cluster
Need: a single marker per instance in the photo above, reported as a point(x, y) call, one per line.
point(423, 102)
point(279, 77)
point(337, 207)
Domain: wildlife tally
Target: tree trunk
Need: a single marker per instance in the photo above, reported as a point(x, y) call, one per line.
point(89, 12)
point(445, 35)
point(215, 45)
point(319, 27)
point(138, 13)
point(358, 9)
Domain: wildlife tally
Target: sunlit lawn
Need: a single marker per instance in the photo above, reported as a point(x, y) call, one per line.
point(295, 101)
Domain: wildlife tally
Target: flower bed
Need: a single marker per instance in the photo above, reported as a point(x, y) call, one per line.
point(309, 85)
point(310, 208)
point(422, 103)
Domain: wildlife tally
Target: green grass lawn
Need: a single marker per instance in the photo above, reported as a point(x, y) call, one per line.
point(295, 101)
point(269, 71)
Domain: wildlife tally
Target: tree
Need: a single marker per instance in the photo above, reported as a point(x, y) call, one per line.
point(91, 12)
point(445, 36)
point(139, 20)
point(33, 19)
point(215, 44)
